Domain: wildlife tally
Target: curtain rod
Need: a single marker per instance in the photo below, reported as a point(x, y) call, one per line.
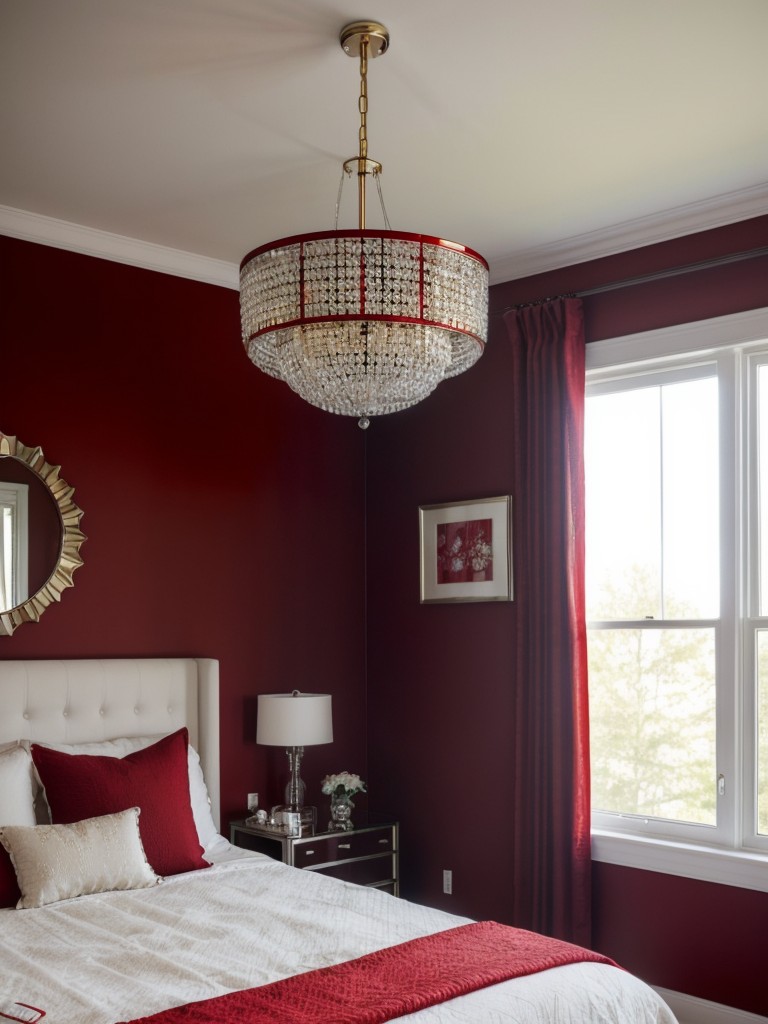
point(629, 282)
point(719, 261)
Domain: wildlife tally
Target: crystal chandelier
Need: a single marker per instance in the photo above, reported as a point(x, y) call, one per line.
point(363, 322)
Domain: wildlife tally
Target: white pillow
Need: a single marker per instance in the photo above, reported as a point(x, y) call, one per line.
point(198, 791)
point(201, 801)
point(59, 862)
point(17, 787)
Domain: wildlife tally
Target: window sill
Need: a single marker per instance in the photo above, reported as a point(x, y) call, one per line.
point(745, 869)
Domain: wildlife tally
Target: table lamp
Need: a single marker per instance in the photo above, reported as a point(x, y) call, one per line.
point(294, 721)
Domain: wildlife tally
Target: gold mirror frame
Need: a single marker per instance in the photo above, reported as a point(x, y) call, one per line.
point(71, 536)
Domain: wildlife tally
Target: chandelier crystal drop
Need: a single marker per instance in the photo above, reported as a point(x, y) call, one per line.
point(362, 322)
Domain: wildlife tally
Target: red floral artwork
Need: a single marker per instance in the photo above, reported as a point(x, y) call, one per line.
point(465, 551)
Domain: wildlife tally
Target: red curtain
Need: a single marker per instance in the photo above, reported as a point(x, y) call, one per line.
point(551, 866)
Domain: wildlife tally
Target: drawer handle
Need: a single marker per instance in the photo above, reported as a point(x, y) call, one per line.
point(345, 846)
point(309, 853)
point(384, 841)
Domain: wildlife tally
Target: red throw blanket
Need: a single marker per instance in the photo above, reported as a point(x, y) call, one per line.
point(389, 983)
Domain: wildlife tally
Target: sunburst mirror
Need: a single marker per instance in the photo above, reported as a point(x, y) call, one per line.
point(40, 534)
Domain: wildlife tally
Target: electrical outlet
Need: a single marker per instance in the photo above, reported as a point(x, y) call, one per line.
point(448, 882)
point(253, 802)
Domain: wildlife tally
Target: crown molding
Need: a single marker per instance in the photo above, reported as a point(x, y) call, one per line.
point(34, 227)
point(634, 234)
point(631, 234)
point(718, 332)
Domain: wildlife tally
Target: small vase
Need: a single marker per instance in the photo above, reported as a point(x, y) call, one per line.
point(341, 813)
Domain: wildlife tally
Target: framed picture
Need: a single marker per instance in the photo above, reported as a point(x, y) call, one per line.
point(466, 551)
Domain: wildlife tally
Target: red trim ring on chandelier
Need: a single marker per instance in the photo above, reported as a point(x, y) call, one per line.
point(407, 236)
point(362, 317)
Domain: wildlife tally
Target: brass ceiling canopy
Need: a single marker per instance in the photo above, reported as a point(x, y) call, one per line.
point(372, 33)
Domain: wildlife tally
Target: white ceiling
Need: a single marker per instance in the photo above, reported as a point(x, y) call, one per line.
point(537, 133)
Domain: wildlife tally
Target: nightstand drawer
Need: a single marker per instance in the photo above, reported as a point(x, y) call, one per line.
point(371, 871)
point(343, 846)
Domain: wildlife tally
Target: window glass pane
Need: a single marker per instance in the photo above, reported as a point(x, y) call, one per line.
point(652, 507)
point(623, 498)
point(652, 722)
point(691, 577)
point(762, 732)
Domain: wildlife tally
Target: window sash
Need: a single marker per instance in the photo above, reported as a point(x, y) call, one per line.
point(648, 522)
point(722, 832)
point(754, 621)
point(726, 831)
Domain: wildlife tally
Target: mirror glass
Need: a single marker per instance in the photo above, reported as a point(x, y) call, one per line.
point(31, 533)
point(39, 534)
point(14, 543)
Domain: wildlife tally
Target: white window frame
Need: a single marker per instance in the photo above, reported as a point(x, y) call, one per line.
point(697, 852)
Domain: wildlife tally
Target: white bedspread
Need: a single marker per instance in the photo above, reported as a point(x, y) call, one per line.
point(250, 920)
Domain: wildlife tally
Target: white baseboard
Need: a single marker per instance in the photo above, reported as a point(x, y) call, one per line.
point(691, 1010)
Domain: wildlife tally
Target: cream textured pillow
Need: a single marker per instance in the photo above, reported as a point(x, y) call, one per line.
point(59, 862)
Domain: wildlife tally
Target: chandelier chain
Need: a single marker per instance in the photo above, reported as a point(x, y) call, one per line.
point(363, 164)
point(363, 133)
point(362, 103)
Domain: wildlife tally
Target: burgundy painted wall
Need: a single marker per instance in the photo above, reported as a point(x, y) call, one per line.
point(441, 677)
point(685, 935)
point(224, 516)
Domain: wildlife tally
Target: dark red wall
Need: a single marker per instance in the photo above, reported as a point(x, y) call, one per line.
point(441, 677)
point(685, 935)
point(224, 516)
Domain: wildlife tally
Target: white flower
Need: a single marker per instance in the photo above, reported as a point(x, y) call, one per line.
point(343, 782)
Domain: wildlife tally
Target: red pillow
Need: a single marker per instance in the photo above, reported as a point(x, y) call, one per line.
point(155, 779)
point(9, 887)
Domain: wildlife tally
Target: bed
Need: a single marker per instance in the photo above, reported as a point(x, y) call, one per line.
point(236, 922)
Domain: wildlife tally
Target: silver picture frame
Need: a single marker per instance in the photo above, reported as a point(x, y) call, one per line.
point(465, 551)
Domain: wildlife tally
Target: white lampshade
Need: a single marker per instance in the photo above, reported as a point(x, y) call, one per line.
point(294, 719)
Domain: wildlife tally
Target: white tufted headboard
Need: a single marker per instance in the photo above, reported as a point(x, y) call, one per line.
point(98, 699)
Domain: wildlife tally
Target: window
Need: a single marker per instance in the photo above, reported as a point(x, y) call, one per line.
point(676, 455)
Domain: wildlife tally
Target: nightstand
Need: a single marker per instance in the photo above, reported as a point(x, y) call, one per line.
point(367, 855)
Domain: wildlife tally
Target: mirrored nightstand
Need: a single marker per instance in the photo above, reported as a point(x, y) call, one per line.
point(367, 855)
